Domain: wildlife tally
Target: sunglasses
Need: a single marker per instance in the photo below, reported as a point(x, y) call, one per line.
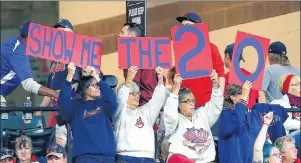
point(94, 85)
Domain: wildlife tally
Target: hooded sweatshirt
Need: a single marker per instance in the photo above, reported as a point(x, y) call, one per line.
point(193, 139)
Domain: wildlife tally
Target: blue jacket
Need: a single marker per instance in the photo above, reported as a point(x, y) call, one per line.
point(90, 121)
point(15, 65)
point(238, 132)
point(276, 128)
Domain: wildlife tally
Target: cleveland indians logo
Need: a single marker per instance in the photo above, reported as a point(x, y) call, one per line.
point(276, 118)
point(56, 67)
point(139, 123)
point(197, 140)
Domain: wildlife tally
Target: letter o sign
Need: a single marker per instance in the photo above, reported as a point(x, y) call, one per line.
point(249, 41)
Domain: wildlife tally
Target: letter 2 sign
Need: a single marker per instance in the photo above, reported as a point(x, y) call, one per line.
point(192, 50)
point(261, 45)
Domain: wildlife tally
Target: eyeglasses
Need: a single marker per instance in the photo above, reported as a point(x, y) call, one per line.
point(189, 101)
point(278, 155)
point(94, 85)
point(135, 93)
point(296, 84)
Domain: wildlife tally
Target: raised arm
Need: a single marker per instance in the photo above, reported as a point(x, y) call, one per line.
point(259, 142)
point(171, 115)
point(124, 90)
point(214, 107)
point(65, 97)
point(233, 120)
point(154, 105)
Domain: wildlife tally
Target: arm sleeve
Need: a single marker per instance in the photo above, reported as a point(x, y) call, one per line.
point(213, 108)
point(122, 99)
point(148, 83)
point(266, 80)
point(217, 61)
point(31, 86)
point(65, 100)
point(20, 64)
point(171, 115)
point(154, 105)
point(232, 120)
point(109, 96)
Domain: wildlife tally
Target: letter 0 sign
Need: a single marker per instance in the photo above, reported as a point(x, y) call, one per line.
point(261, 45)
point(192, 50)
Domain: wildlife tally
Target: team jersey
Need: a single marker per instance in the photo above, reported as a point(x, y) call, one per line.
point(15, 64)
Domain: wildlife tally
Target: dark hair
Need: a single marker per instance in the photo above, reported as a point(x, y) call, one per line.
point(84, 83)
point(232, 90)
point(135, 28)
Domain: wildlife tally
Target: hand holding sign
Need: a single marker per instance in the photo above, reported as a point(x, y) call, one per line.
point(246, 90)
point(71, 71)
point(177, 84)
point(159, 71)
point(214, 77)
point(88, 71)
point(192, 50)
point(132, 71)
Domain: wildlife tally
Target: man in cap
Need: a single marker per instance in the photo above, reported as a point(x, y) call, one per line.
point(15, 67)
point(58, 74)
point(56, 154)
point(254, 94)
point(6, 155)
point(279, 65)
point(203, 95)
point(146, 79)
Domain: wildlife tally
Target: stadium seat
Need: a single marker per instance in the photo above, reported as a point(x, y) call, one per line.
point(111, 80)
point(15, 126)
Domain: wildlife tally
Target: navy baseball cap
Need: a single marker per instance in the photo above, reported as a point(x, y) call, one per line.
point(56, 150)
point(24, 29)
point(191, 16)
point(277, 48)
point(63, 23)
point(6, 153)
point(229, 51)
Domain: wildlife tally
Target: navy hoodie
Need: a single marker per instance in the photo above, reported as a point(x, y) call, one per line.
point(238, 132)
point(90, 121)
point(276, 128)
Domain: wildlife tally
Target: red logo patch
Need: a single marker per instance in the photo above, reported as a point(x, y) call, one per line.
point(139, 123)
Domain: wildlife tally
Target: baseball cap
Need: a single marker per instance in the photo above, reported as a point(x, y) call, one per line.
point(191, 16)
point(277, 48)
point(63, 23)
point(6, 153)
point(24, 29)
point(56, 150)
point(229, 51)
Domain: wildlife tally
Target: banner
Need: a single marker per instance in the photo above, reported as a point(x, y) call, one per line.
point(136, 13)
point(192, 50)
point(64, 47)
point(144, 52)
point(261, 45)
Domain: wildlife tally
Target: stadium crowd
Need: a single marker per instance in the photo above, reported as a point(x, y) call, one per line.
point(184, 118)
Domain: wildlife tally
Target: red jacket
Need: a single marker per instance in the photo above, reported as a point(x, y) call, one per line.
point(202, 87)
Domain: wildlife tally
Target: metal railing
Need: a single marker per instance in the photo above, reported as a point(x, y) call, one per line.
point(28, 111)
